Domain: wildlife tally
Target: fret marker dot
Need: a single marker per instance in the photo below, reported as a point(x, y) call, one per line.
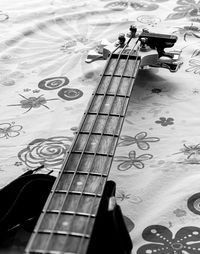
point(79, 183)
point(65, 223)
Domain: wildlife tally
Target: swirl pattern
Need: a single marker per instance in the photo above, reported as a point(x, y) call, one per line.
point(48, 152)
point(70, 94)
point(53, 83)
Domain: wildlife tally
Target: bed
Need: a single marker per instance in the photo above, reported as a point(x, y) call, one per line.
point(46, 85)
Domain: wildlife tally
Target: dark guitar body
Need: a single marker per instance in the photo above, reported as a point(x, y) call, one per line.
point(110, 234)
point(22, 202)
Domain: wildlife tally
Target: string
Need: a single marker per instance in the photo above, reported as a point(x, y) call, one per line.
point(50, 197)
point(36, 230)
point(121, 76)
point(89, 135)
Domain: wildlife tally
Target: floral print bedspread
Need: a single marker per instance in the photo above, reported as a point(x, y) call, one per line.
point(46, 84)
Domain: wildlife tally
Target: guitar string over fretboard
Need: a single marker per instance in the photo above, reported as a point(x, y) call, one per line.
point(67, 220)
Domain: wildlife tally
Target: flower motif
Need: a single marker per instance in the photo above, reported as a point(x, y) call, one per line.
point(190, 150)
point(48, 152)
point(143, 6)
point(195, 66)
point(189, 31)
point(36, 91)
point(27, 90)
point(32, 102)
point(179, 212)
point(185, 8)
point(165, 121)
point(132, 160)
point(9, 130)
point(117, 6)
point(196, 53)
point(196, 91)
point(140, 139)
point(149, 19)
point(136, 5)
point(122, 195)
point(185, 241)
point(18, 163)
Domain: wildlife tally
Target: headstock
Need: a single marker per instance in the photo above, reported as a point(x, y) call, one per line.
point(146, 42)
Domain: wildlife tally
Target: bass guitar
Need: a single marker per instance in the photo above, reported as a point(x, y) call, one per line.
point(80, 215)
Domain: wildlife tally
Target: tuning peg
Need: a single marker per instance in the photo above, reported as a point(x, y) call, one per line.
point(144, 47)
point(145, 30)
point(121, 40)
point(132, 33)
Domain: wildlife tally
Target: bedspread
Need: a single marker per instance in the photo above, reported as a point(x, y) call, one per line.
point(45, 87)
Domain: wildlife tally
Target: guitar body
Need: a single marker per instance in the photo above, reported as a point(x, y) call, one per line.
point(22, 201)
point(20, 212)
point(110, 233)
point(80, 215)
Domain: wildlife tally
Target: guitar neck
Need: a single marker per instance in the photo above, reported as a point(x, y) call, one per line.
point(66, 222)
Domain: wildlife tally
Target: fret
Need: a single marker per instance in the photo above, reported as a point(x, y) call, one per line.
point(87, 172)
point(91, 153)
point(66, 224)
point(102, 124)
point(92, 163)
point(81, 183)
point(64, 233)
point(77, 192)
point(129, 69)
point(118, 76)
point(108, 104)
point(104, 114)
point(95, 144)
point(114, 85)
point(70, 212)
point(81, 203)
point(98, 134)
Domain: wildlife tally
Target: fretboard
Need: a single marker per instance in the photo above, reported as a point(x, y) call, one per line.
point(66, 222)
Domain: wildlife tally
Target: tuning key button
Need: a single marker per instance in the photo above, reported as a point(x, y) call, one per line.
point(144, 47)
point(132, 33)
point(121, 39)
point(145, 30)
